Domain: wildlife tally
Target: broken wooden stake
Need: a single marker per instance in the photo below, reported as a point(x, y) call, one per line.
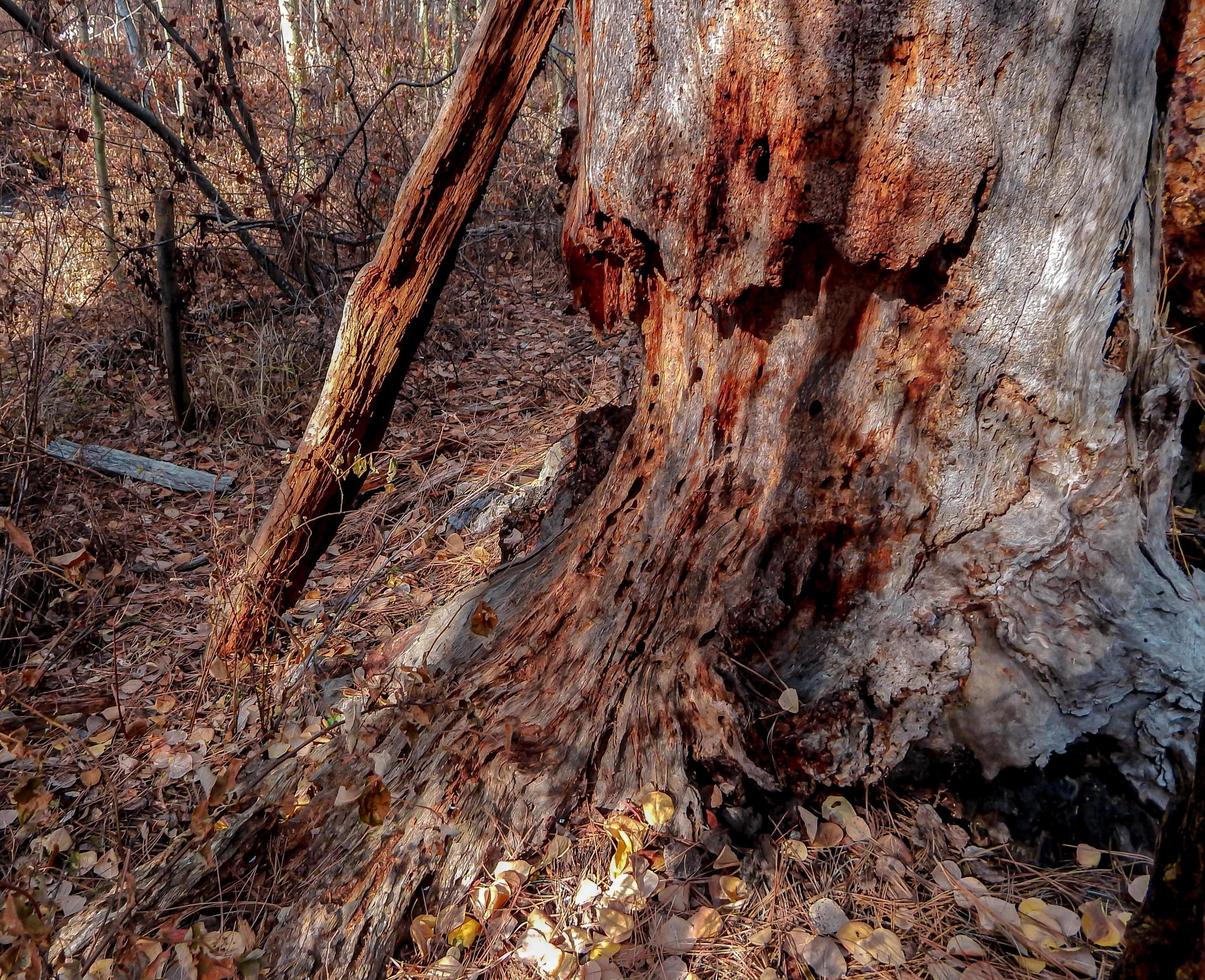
point(116, 462)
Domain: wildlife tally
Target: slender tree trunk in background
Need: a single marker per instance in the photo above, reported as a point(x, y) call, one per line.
point(904, 443)
point(452, 27)
point(104, 191)
point(171, 342)
point(133, 35)
point(385, 316)
point(292, 40)
point(181, 97)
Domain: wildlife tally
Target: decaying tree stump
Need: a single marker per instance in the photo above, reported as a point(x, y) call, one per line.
point(904, 443)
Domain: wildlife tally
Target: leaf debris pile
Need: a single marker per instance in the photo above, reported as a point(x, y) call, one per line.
point(892, 890)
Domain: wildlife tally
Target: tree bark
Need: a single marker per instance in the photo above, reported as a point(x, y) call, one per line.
point(904, 443)
point(1166, 940)
point(386, 313)
point(100, 156)
point(297, 70)
point(169, 312)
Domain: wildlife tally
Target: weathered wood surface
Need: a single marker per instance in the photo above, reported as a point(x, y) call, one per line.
point(1166, 939)
point(386, 315)
point(117, 462)
point(904, 440)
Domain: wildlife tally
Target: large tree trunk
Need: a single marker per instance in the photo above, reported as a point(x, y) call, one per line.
point(904, 443)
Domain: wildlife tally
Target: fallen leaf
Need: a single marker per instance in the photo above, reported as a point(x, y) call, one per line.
point(853, 936)
point(658, 808)
point(828, 834)
point(616, 925)
point(484, 620)
point(448, 968)
point(18, 537)
point(374, 802)
point(706, 923)
point(824, 958)
point(727, 859)
point(728, 890)
point(827, 916)
point(965, 947)
point(674, 935)
point(628, 837)
point(465, 933)
point(1138, 887)
point(1100, 928)
point(793, 850)
point(885, 946)
point(788, 700)
point(422, 933)
point(1087, 856)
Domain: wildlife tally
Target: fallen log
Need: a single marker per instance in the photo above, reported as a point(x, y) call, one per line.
point(117, 462)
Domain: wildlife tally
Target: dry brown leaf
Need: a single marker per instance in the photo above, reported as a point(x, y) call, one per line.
point(18, 537)
point(374, 802)
point(1100, 928)
point(965, 947)
point(828, 834)
point(885, 946)
point(706, 923)
point(824, 957)
point(484, 620)
point(1087, 856)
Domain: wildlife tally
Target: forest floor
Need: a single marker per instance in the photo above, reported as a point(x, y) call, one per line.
point(113, 726)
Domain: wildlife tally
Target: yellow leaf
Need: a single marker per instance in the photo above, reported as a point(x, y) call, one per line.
point(793, 850)
point(604, 950)
point(728, 890)
point(628, 836)
point(616, 925)
point(465, 933)
point(658, 808)
point(1030, 964)
point(852, 936)
point(1087, 856)
point(1100, 928)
